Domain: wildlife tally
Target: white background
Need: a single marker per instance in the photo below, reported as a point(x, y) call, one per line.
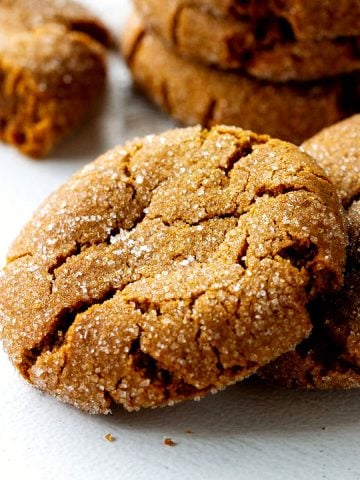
point(246, 432)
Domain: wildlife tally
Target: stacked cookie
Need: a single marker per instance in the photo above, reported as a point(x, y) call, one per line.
point(284, 68)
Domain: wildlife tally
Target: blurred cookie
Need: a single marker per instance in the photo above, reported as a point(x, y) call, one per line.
point(170, 267)
point(31, 14)
point(52, 71)
point(266, 50)
point(309, 20)
point(330, 357)
point(193, 93)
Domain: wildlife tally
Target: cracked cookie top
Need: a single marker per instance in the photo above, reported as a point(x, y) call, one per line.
point(170, 267)
point(330, 357)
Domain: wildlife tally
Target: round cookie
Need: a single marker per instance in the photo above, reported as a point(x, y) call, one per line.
point(170, 267)
point(198, 94)
point(266, 50)
point(309, 20)
point(330, 357)
point(52, 71)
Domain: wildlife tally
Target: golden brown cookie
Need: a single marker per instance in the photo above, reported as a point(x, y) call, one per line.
point(51, 71)
point(266, 50)
point(198, 94)
point(309, 20)
point(170, 267)
point(330, 357)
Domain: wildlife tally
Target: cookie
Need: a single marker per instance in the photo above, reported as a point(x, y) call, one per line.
point(308, 20)
point(170, 267)
point(51, 71)
point(267, 51)
point(198, 94)
point(330, 358)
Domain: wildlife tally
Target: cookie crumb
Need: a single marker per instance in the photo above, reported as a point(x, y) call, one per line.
point(109, 438)
point(189, 432)
point(169, 442)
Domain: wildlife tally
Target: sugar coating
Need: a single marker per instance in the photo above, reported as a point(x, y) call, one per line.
point(52, 70)
point(145, 293)
point(195, 93)
point(265, 49)
point(330, 358)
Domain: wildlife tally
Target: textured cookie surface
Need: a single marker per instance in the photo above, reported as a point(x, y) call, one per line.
point(265, 49)
point(52, 70)
point(308, 19)
point(169, 268)
point(330, 358)
point(197, 94)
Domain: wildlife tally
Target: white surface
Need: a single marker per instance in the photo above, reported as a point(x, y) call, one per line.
point(246, 432)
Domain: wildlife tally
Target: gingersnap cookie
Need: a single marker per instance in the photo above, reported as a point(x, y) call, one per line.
point(52, 71)
point(266, 50)
point(170, 267)
point(308, 20)
point(198, 94)
point(330, 357)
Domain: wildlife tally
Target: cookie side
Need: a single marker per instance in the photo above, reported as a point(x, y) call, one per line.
point(235, 99)
point(330, 358)
point(170, 267)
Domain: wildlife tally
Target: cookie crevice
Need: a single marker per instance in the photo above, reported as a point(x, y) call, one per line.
point(55, 338)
